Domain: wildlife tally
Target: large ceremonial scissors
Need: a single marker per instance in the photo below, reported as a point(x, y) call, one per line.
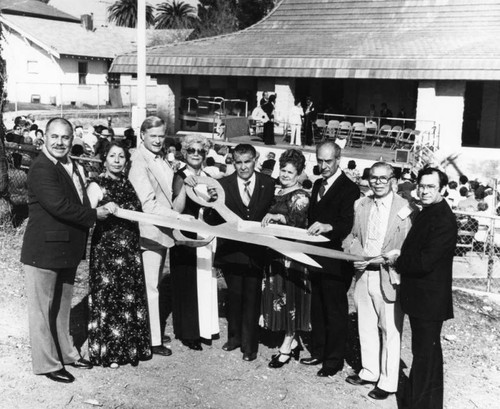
point(241, 230)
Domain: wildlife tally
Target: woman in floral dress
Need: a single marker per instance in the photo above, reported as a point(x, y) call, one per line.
point(286, 295)
point(118, 326)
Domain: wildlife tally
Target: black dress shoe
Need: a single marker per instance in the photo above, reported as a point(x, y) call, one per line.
point(310, 361)
point(166, 339)
point(194, 345)
point(82, 364)
point(378, 394)
point(161, 350)
point(229, 347)
point(356, 380)
point(324, 372)
point(62, 375)
point(252, 356)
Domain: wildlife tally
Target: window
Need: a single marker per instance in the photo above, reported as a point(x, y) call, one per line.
point(32, 67)
point(82, 73)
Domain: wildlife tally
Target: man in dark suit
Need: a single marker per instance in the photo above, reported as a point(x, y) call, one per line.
point(331, 213)
point(248, 195)
point(425, 265)
point(54, 243)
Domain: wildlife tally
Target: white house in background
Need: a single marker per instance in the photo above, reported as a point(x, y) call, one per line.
point(55, 58)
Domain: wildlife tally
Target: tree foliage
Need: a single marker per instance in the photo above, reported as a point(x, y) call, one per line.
point(175, 15)
point(215, 17)
point(4, 178)
point(124, 13)
point(250, 12)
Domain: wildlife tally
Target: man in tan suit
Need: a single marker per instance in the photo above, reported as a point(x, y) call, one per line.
point(151, 175)
point(381, 224)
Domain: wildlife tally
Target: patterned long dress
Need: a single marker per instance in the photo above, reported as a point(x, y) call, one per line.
point(286, 292)
point(118, 318)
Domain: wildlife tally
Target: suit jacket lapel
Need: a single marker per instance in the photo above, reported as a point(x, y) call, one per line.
point(60, 168)
point(234, 194)
point(160, 175)
point(392, 223)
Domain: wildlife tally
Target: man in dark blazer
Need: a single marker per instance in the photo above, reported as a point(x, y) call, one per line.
point(248, 195)
point(331, 213)
point(54, 243)
point(425, 265)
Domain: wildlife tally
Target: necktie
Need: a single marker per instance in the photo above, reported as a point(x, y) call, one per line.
point(375, 240)
point(246, 193)
point(322, 189)
point(78, 181)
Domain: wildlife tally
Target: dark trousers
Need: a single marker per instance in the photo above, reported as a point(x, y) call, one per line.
point(269, 133)
point(183, 277)
point(329, 320)
point(244, 287)
point(425, 386)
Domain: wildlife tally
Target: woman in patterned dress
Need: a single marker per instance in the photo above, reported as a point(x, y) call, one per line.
point(286, 295)
point(118, 326)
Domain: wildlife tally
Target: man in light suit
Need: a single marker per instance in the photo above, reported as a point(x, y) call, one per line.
point(425, 265)
point(54, 244)
point(248, 194)
point(381, 223)
point(151, 176)
point(331, 213)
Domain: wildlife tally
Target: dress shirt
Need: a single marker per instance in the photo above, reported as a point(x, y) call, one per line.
point(373, 245)
point(241, 185)
point(330, 181)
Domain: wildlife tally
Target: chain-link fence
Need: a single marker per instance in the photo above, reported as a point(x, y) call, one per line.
point(477, 255)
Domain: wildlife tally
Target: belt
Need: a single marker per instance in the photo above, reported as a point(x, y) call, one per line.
point(371, 267)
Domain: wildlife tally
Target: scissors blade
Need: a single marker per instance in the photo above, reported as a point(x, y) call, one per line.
point(279, 230)
point(228, 231)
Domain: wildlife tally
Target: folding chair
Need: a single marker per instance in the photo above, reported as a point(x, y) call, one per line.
point(358, 134)
point(331, 129)
point(319, 129)
point(381, 134)
point(392, 137)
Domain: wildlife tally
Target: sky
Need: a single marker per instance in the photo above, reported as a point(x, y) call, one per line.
point(98, 7)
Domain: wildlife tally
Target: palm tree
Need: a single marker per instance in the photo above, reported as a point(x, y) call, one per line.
point(124, 13)
point(175, 16)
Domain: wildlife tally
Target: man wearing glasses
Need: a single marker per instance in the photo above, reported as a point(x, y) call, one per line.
point(381, 223)
point(425, 265)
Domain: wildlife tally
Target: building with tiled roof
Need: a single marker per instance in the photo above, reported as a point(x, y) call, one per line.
point(437, 60)
point(53, 57)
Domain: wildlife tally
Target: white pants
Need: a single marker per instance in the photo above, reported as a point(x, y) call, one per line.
point(295, 134)
point(153, 261)
point(380, 362)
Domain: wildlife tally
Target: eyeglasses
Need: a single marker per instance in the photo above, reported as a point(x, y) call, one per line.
point(382, 179)
point(192, 151)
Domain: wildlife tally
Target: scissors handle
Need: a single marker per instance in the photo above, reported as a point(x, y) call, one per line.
point(218, 204)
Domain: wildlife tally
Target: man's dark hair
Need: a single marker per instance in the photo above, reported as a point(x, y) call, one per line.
point(351, 164)
point(443, 179)
point(243, 148)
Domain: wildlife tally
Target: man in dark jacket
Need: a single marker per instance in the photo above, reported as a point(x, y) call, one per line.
point(425, 265)
point(54, 243)
point(331, 213)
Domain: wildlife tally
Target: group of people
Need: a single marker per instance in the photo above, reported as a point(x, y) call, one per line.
point(300, 120)
point(407, 268)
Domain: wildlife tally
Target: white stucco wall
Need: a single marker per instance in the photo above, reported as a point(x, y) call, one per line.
point(53, 80)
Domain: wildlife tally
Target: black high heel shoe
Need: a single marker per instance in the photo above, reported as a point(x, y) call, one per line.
point(275, 360)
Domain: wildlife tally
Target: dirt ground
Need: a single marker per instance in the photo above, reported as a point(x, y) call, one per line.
point(217, 379)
